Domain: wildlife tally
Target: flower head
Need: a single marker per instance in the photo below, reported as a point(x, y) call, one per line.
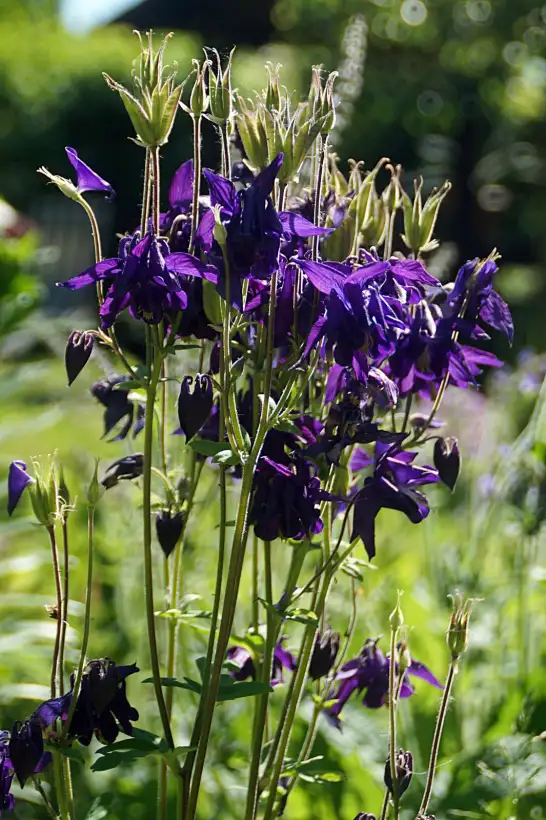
point(324, 654)
point(7, 800)
point(194, 407)
point(18, 480)
point(88, 180)
point(168, 529)
point(115, 399)
point(26, 749)
point(77, 352)
point(123, 469)
point(243, 666)
point(473, 296)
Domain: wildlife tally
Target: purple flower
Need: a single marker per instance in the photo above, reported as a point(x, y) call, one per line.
point(7, 801)
point(392, 486)
point(369, 673)
point(324, 653)
point(18, 479)
point(26, 749)
point(118, 406)
point(77, 352)
point(126, 468)
point(474, 296)
point(243, 666)
point(195, 407)
point(285, 502)
point(88, 180)
point(141, 281)
point(168, 528)
point(176, 221)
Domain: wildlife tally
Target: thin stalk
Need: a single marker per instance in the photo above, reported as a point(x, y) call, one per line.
point(59, 609)
point(407, 412)
point(59, 786)
point(317, 218)
point(47, 803)
point(385, 807)
point(147, 545)
point(255, 583)
point(226, 160)
point(66, 590)
point(438, 730)
point(196, 177)
point(156, 192)
point(145, 212)
point(273, 626)
point(86, 620)
point(392, 723)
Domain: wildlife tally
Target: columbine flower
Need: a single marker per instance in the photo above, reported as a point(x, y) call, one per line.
point(26, 749)
point(369, 673)
point(176, 219)
point(195, 407)
point(285, 503)
point(87, 179)
point(392, 486)
point(118, 406)
point(141, 280)
point(447, 460)
point(168, 529)
point(123, 469)
point(324, 654)
point(473, 296)
point(7, 800)
point(18, 480)
point(243, 666)
point(404, 772)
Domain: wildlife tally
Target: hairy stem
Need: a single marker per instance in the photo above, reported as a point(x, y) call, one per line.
point(196, 177)
point(59, 609)
point(66, 591)
point(317, 218)
point(392, 723)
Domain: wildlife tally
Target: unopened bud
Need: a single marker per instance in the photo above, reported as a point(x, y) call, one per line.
point(273, 91)
point(404, 771)
point(220, 91)
point(199, 100)
point(396, 618)
point(404, 657)
point(78, 350)
point(457, 633)
point(95, 490)
point(447, 460)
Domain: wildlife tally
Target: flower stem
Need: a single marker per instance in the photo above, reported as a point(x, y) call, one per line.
point(438, 730)
point(392, 723)
point(156, 193)
point(64, 614)
point(318, 194)
point(196, 177)
point(86, 620)
point(226, 159)
point(146, 194)
point(385, 807)
point(59, 786)
point(47, 803)
point(59, 608)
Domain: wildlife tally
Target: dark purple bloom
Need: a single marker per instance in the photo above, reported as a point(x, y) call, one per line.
point(177, 220)
point(324, 654)
point(404, 771)
point(447, 460)
point(118, 406)
point(141, 280)
point(77, 352)
point(369, 673)
point(123, 469)
point(362, 815)
point(195, 407)
point(243, 666)
point(392, 486)
point(473, 296)
point(18, 479)
point(102, 708)
point(88, 180)
point(7, 801)
point(26, 749)
point(168, 529)
point(285, 502)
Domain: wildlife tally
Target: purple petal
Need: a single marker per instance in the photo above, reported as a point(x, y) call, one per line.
point(496, 313)
point(189, 265)
point(104, 269)
point(44, 761)
point(203, 235)
point(421, 671)
point(294, 224)
point(413, 271)
point(266, 179)
point(181, 190)
point(18, 479)
point(325, 277)
point(480, 357)
point(222, 191)
point(360, 460)
point(337, 379)
point(368, 272)
point(88, 180)
point(51, 710)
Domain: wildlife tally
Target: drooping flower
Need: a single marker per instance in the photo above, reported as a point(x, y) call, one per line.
point(77, 352)
point(369, 673)
point(142, 281)
point(26, 749)
point(126, 468)
point(88, 180)
point(102, 708)
point(474, 298)
point(243, 666)
point(324, 654)
point(168, 529)
point(18, 480)
point(7, 800)
point(393, 486)
point(447, 460)
point(115, 399)
point(404, 772)
point(194, 407)
point(285, 502)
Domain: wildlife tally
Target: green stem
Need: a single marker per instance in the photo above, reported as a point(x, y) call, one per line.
point(438, 730)
point(47, 803)
point(59, 609)
point(407, 412)
point(146, 194)
point(318, 194)
point(59, 786)
point(66, 590)
point(196, 177)
point(86, 620)
point(385, 807)
point(255, 583)
point(392, 723)
point(156, 192)
point(226, 163)
point(147, 544)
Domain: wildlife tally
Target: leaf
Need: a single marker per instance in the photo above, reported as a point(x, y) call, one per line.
point(114, 759)
point(227, 457)
point(187, 683)
point(287, 426)
point(244, 689)
point(205, 447)
point(325, 777)
point(72, 753)
point(98, 810)
point(302, 616)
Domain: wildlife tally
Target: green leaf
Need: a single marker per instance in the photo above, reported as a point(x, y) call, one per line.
point(114, 759)
point(244, 689)
point(287, 426)
point(98, 810)
point(325, 777)
point(226, 456)
point(302, 616)
point(71, 752)
point(187, 683)
point(206, 448)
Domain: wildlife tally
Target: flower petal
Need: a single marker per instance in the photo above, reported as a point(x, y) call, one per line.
point(181, 189)
point(88, 180)
point(18, 479)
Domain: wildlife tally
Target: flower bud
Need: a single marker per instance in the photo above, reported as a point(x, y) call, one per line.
point(324, 654)
point(64, 185)
point(396, 618)
point(404, 657)
point(447, 460)
point(273, 91)
point(220, 91)
point(404, 771)
point(126, 468)
point(419, 220)
point(94, 490)
point(194, 408)
point(168, 529)
point(199, 100)
point(457, 633)
point(391, 195)
point(26, 747)
point(327, 105)
point(219, 231)
point(78, 350)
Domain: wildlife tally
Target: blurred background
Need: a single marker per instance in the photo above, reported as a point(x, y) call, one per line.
point(448, 88)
